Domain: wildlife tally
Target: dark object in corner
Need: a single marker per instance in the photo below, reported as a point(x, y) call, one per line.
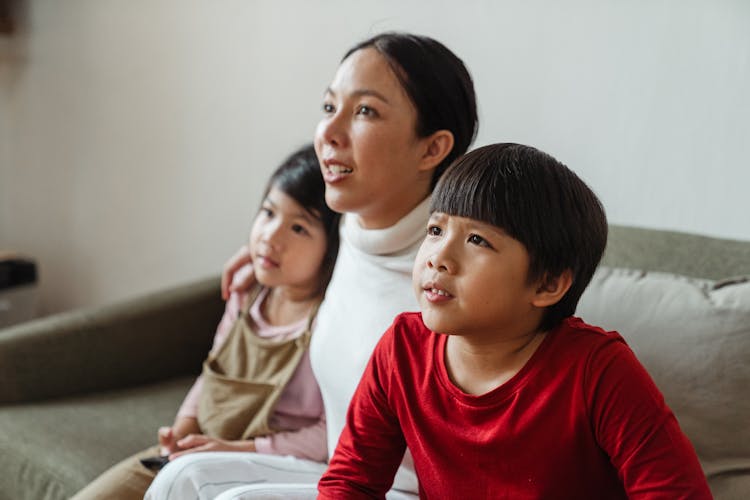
point(16, 271)
point(9, 11)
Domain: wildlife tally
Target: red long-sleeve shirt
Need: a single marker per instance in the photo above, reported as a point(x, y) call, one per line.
point(581, 420)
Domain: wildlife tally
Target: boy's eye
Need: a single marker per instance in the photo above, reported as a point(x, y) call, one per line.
point(366, 111)
point(434, 231)
point(475, 239)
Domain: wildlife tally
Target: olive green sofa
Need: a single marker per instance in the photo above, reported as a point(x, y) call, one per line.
point(81, 390)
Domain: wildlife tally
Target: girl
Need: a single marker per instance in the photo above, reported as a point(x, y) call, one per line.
point(257, 391)
point(400, 108)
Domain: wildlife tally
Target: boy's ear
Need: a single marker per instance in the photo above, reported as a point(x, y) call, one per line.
point(437, 147)
point(552, 288)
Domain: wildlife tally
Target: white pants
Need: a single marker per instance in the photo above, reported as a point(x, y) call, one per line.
point(233, 475)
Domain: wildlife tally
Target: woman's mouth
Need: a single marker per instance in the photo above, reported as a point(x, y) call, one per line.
point(335, 171)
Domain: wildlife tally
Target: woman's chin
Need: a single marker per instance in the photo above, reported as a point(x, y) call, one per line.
point(338, 200)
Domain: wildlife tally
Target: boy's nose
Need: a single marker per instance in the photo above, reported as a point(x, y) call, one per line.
point(441, 260)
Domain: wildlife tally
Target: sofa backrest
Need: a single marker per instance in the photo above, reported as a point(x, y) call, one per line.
point(674, 252)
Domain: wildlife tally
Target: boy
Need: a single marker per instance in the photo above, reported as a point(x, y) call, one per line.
point(496, 389)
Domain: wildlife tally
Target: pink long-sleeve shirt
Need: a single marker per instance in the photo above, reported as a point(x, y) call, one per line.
point(300, 406)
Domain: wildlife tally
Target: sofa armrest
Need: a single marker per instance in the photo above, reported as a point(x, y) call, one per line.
point(149, 338)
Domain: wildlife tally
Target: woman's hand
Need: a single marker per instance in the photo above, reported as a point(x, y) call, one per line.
point(194, 443)
point(235, 263)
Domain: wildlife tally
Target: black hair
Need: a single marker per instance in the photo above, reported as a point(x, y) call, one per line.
point(299, 176)
point(438, 84)
point(538, 201)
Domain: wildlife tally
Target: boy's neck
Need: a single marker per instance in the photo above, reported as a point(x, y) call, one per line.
point(480, 367)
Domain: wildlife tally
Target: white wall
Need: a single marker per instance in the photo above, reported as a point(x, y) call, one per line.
point(135, 137)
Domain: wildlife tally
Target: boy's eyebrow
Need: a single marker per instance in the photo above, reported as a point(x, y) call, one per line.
point(361, 93)
point(495, 229)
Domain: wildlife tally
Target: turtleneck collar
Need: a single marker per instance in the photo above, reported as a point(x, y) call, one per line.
point(409, 230)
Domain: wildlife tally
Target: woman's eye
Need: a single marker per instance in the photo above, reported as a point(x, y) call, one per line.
point(366, 111)
point(328, 108)
point(475, 239)
point(300, 229)
point(434, 231)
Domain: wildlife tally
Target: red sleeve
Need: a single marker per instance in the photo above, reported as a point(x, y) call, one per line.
point(634, 426)
point(371, 445)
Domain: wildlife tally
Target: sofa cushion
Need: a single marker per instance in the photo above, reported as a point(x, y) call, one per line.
point(51, 449)
point(693, 337)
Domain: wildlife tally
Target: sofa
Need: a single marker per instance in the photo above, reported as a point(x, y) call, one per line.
point(83, 389)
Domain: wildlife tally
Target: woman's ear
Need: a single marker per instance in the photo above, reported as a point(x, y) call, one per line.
point(552, 288)
point(437, 146)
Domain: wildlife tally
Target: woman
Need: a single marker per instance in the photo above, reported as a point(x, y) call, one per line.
point(399, 110)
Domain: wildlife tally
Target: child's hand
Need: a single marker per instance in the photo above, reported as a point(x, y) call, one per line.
point(200, 442)
point(167, 441)
point(235, 263)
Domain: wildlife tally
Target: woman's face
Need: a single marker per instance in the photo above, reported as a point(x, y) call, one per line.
point(367, 144)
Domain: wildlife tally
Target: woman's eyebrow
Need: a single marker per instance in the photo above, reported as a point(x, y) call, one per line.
point(360, 93)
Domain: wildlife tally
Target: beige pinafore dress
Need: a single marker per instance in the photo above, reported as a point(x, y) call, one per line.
point(244, 378)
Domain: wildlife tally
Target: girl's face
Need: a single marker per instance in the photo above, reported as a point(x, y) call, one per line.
point(367, 144)
point(287, 245)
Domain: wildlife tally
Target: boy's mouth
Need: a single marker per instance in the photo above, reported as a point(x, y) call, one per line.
point(436, 293)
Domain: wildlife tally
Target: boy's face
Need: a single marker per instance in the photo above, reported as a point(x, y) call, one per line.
point(470, 279)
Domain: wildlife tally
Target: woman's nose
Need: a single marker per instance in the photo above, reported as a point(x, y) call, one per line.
point(332, 130)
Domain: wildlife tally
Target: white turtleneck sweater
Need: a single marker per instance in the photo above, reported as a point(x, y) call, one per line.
point(371, 284)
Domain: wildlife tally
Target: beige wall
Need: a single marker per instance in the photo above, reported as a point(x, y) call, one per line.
point(135, 137)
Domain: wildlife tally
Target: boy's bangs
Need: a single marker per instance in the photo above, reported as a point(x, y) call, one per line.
point(471, 190)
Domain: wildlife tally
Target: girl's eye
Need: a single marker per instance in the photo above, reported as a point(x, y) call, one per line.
point(366, 111)
point(434, 231)
point(475, 239)
point(297, 228)
point(328, 108)
point(266, 211)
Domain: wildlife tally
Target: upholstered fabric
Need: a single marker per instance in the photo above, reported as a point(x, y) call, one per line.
point(676, 252)
point(51, 449)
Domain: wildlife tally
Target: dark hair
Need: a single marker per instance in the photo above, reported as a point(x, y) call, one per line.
point(438, 84)
point(299, 176)
point(536, 200)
